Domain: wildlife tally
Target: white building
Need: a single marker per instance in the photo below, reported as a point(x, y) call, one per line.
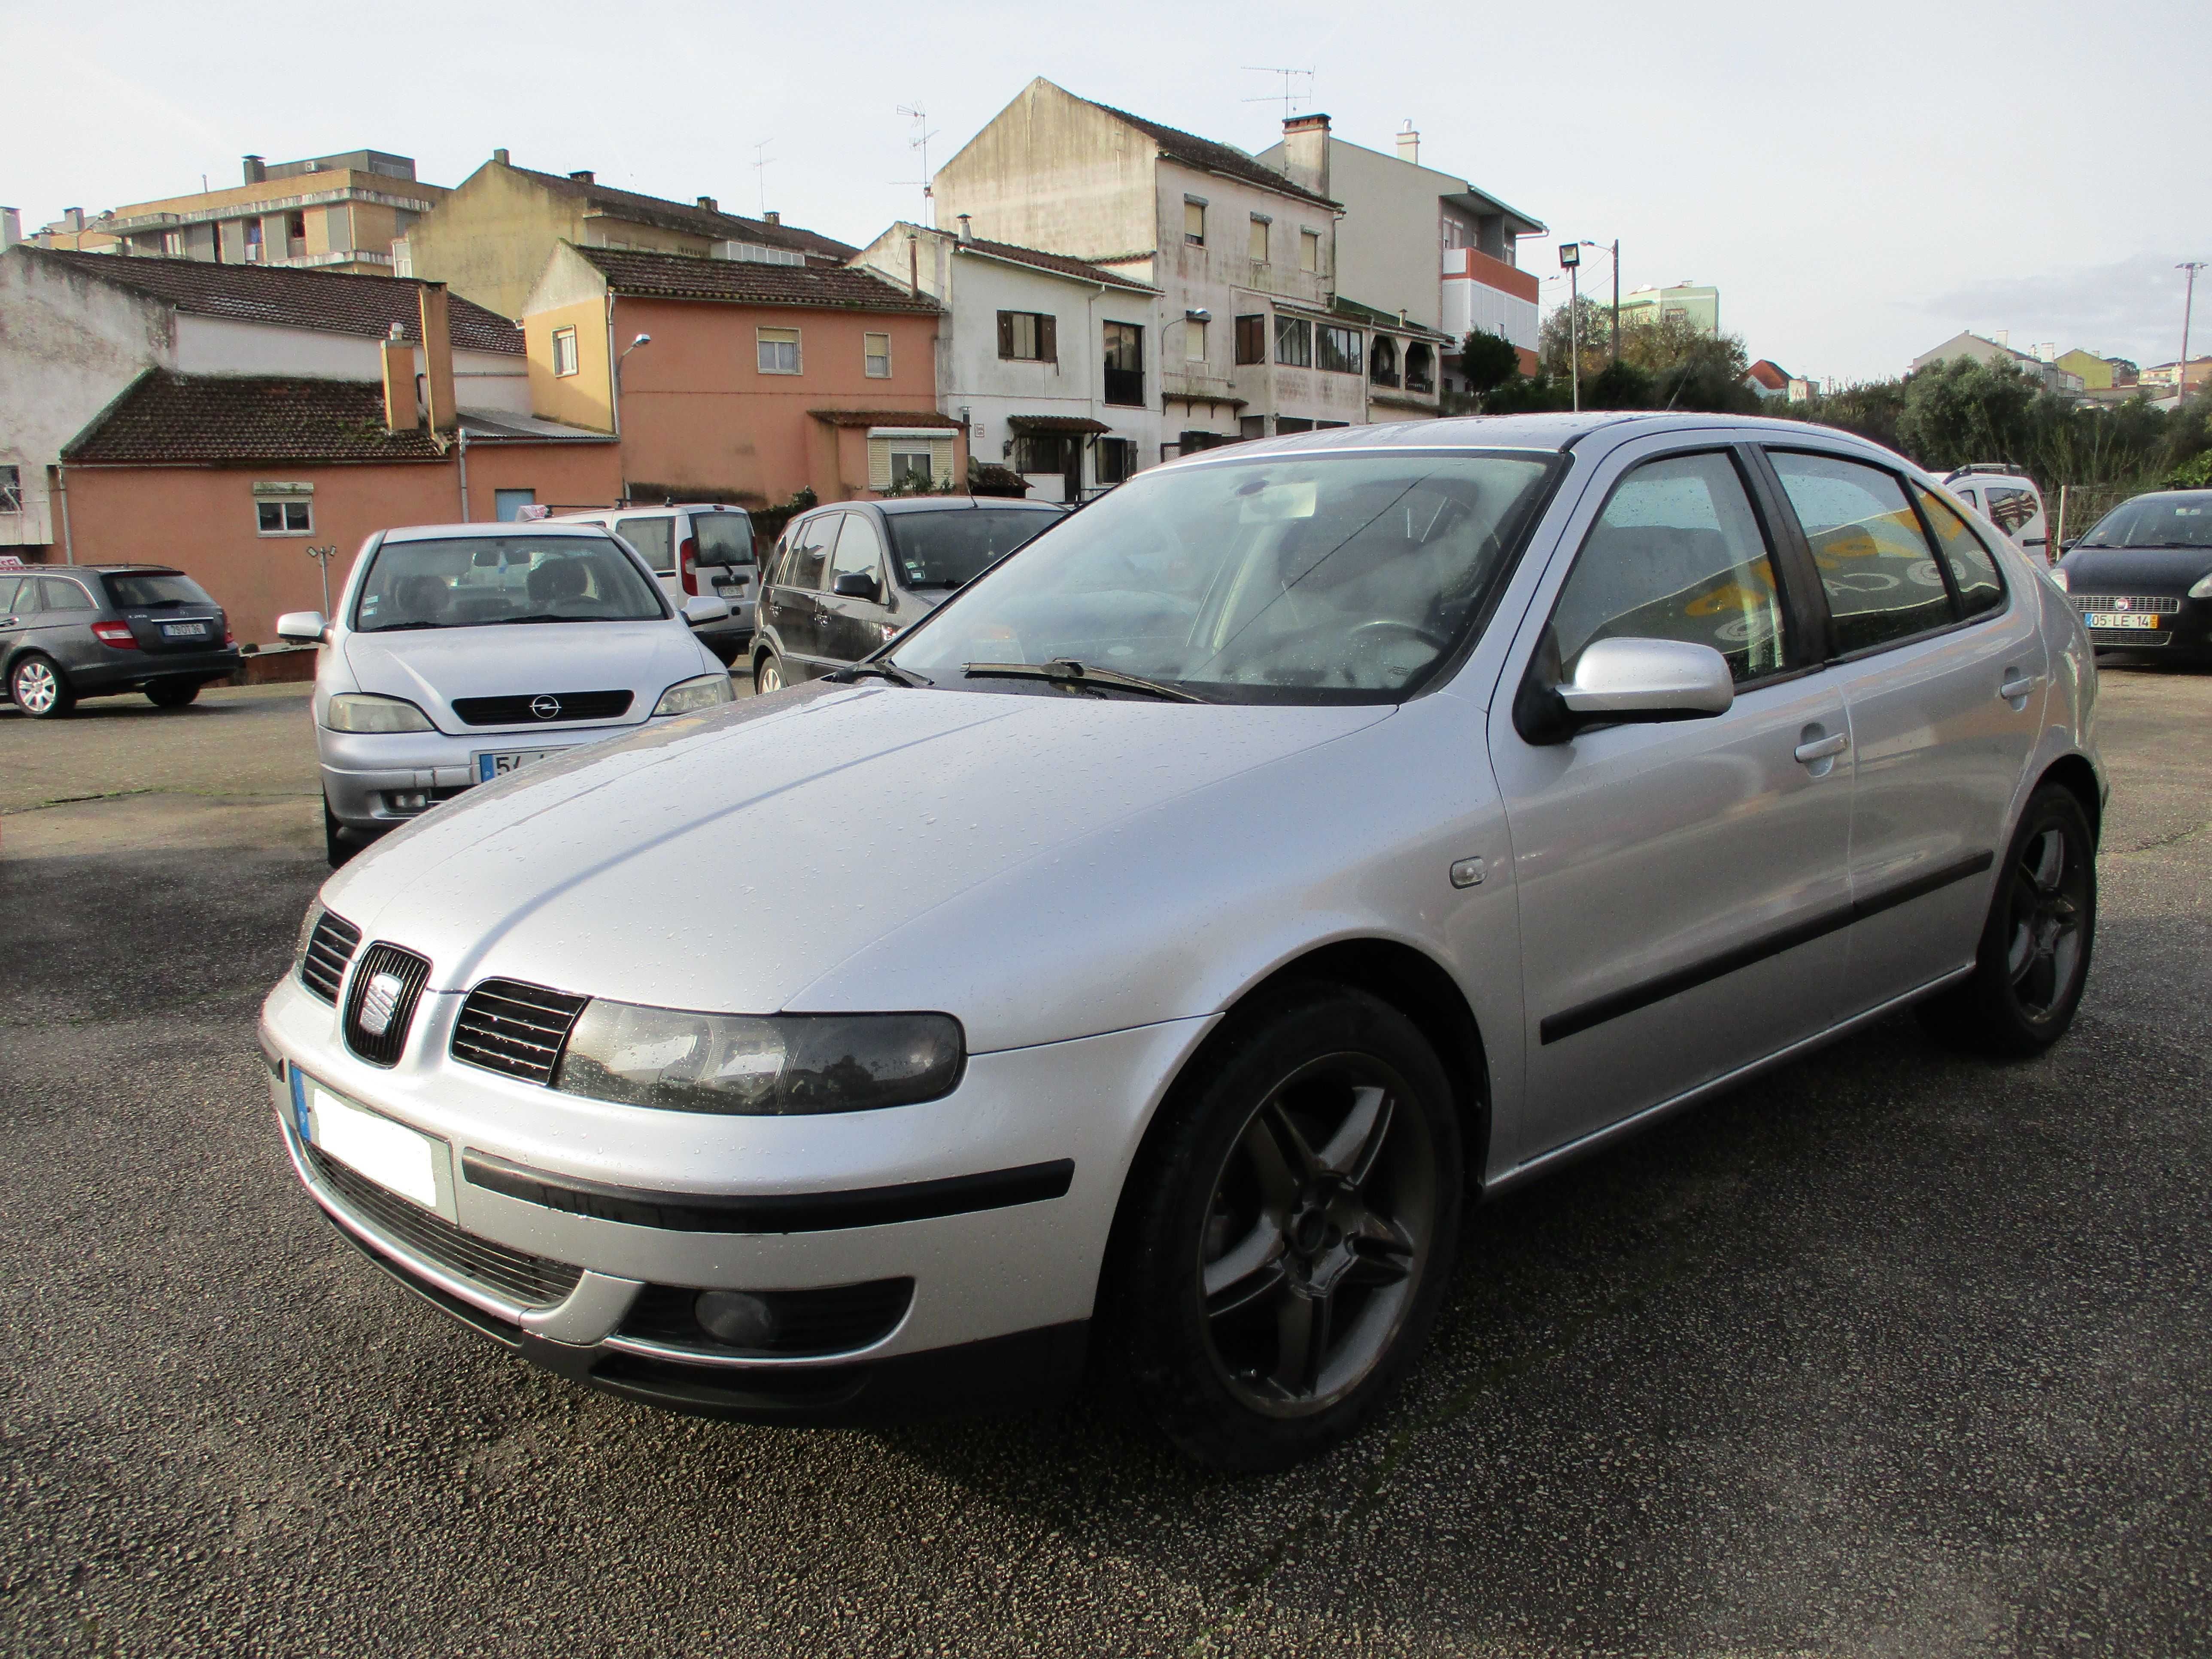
point(1022, 353)
point(1251, 338)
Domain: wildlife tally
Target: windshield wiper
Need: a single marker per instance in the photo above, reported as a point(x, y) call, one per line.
point(886, 670)
point(402, 628)
point(1066, 671)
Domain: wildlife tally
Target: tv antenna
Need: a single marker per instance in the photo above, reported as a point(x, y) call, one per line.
point(919, 114)
point(761, 161)
point(1289, 94)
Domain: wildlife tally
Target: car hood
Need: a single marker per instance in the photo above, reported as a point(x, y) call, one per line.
point(729, 861)
point(432, 666)
point(2162, 570)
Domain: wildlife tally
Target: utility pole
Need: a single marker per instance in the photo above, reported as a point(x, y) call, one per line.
point(322, 555)
point(2188, 301)
point(1570, 259)
point(1616, 301)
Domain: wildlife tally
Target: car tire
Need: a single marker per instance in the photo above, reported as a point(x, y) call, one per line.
point(768, 673)
point(173, 694)
point(2033, 959)
point(40, 688)
point(334, 842)
point(1288, 1233)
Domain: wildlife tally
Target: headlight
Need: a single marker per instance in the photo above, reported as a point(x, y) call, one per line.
point(2059, 577)
point(777, 1066)
point(687, 696)
point(2203, 590)
point(356, 711)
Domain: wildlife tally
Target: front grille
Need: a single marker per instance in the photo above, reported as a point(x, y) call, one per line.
point(530, 1281)
point(367, 1001)
point(837, 1319)
point(2157, 603)
point(524, 710)
point(516, 1029)
point(330, 948)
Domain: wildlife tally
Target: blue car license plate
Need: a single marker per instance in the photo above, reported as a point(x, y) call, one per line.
point(498, 766)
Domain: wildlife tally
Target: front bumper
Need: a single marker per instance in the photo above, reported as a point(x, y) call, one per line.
point(2186, 633)
point(361, 770)
point(1001, 1295)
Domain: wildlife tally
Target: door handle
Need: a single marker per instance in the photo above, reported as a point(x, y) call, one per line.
point(2019, 686)
point(1820, 748)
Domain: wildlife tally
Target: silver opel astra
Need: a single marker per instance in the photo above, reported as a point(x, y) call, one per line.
point(1157, 949)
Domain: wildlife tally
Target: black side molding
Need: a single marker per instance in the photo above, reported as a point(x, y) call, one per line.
point(779, 1212)
point(1554, 1027)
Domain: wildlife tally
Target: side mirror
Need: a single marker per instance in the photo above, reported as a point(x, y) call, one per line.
point(303, 627)
point(1631, 679)
point(856, 585)
point(705, 609)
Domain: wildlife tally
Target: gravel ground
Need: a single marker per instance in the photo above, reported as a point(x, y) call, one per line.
point(1892, 1352)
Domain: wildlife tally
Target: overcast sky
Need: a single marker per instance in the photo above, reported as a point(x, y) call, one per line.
point(1860, 181)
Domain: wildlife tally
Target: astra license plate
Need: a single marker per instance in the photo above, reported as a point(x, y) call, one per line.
point(396, 1157)
point(2121, 619)
point(498, 766)
point(184, 630)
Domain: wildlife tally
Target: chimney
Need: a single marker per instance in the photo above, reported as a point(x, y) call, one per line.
point(583, 176)
point(771, 217)
point(1409, 145)
point(708, 202)
point(257, 171)
point(500, 156)
point(399, 412)
point(967, 228)
point(72, 219)
point(1305, 152)
point(437, 354)
point(11, 227)
point(2005, 337)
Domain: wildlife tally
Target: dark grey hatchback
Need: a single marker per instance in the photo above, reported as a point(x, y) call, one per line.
point(72, 631)
point(843, 580)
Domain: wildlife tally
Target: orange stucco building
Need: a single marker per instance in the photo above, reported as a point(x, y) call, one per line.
point(757, 380)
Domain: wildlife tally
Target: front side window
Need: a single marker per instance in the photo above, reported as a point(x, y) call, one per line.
point(1293, 341)
point(877, 356)
point(1259, 248)
point(1875, 565)
point(483, 581)
point(1124, 347)
point(810, 551)
point(1338, 349)
point(564, 352)
point(1676, 554)
point(1251, 339)
point(2010, 507)
point(284, 518)
point(951, 549)
point(859, 549)
point(1028, 336)
point(777, 349)
point(1973, 572)
point(654, 538)
point(1193, 223)
point(1285, 579)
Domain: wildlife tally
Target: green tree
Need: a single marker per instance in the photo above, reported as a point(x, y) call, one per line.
point(1488, 362)
point(1962, 411)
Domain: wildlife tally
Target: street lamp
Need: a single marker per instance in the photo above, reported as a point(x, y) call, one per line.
point(1571, 261)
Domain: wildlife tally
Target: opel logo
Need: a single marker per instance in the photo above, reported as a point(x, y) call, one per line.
point(546, 707)
point(377, 1002)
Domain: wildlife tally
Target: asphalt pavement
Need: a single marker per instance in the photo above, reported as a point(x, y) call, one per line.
point(1892, 1352)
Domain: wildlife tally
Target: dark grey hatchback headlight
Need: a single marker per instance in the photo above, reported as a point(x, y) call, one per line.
point(759, 1065)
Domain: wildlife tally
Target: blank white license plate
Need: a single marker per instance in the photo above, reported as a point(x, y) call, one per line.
point(2121, 619)
point(394, 1156)
point(184, 630)
point(498, 766)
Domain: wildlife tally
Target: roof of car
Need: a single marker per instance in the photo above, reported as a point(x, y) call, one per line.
point(431, 532)
point(1555, 432)
point(955, 503)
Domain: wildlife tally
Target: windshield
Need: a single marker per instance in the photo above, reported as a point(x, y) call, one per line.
point(478, 581)
point(723, 538)
point(146, 592)
point(1288, 579)
point(2155, 522)
point(951, 549)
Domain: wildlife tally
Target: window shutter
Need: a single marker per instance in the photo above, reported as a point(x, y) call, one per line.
point(880, 463)
point(1006, 334)
point(1048, 339)
point(940, 459)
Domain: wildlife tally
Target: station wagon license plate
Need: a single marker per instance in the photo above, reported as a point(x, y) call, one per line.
point(498, 766)
point(2121, 619)
point(399, 1160)
point(184, 630)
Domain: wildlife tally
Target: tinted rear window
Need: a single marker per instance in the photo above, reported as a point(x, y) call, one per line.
point(131, 591)
point(723, 538)
point(950, 550)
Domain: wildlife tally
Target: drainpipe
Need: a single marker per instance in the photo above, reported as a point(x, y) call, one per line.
point(463, 451)
point(61, 488)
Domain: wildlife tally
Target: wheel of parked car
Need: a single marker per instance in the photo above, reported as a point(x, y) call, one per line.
point(768, 673)
point(1289, 1230)
point(171, 694)
point(39, 689)
point(2035, 955)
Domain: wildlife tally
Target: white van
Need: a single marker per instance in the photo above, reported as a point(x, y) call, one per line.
point(2008, 498)
point(697, 550)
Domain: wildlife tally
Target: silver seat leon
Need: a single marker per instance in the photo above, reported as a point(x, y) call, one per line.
point(1155, 952)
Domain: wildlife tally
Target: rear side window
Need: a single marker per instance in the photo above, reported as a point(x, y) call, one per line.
point(57, 593)
point(653, 538)
point(1973, 572)
point(1676, 554)
point(131, 591)
point(810, 550)
point(1875, 565)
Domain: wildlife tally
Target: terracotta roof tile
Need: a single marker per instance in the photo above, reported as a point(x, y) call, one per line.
point(689, 276)
point(337, 302)
point(184, 420)
point(912, 417)
point(1203, 153)
point(700, 222)
point(1060, 264)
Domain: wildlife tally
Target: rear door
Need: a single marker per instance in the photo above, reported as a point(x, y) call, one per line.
point(1683, 886)
point(853, 626)
point(62, 627)
point(168, 612)
point(724, 541)
point(1944, 671)
point(795, 602)
point(12, 621)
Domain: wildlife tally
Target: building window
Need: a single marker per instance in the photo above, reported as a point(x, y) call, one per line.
point(296, 236)
point(1338, 349)
point(172, 244)
point(1294, 342)
point(285, 518)
point(1309, 249)
point(1252, 340)
point(564, 352)
point(1251, 426)
point(1193, 339)
point(11, 489)
point(1194, 221)
point(1050, 453)
point(1292, 424)
point(778, 349)
point(1382, 361)
point(1420, 368)
point(877, 354)
point(1028, 336)
point(1125, 364)
point(253, 250)
point(1259, 227)
point(1117, 459)
point(910, 468)
point(507, 505)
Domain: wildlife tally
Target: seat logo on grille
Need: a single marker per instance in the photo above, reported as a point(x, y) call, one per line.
point(546, 707)
point(377, 1002)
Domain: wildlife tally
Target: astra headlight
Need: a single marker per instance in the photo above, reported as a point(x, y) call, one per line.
point(687, 696)
point(767, 1066)
point(358, 711)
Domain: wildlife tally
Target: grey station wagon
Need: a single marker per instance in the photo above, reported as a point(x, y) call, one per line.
point(72, 631)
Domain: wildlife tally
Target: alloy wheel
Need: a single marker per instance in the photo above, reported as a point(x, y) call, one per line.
point(36, 687)
point(768, 677)
point(1321, 1222)
point(2043, 924)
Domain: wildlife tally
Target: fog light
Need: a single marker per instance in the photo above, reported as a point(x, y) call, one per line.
point(407, 800)
point(734, 1317)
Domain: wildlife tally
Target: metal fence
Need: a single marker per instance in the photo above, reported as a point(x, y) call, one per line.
point(2075, 507)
